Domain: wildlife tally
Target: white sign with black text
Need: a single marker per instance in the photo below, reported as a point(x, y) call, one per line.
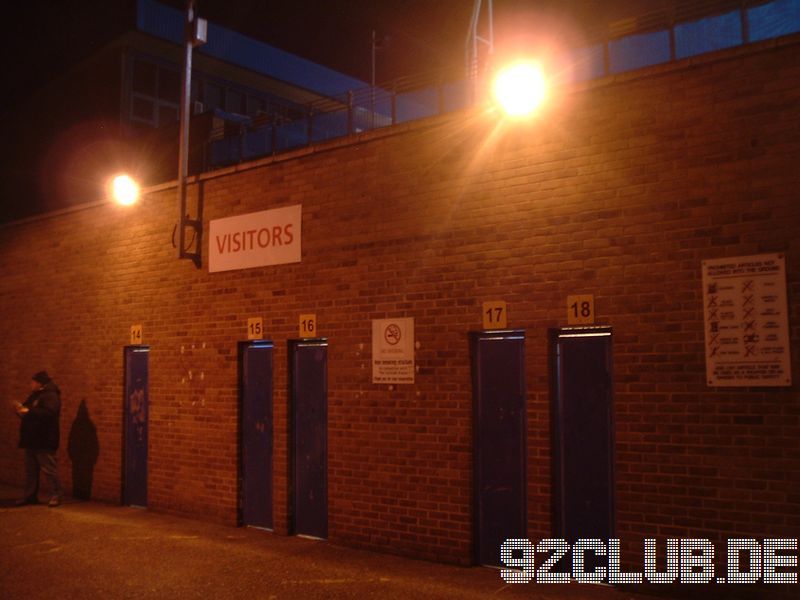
point(746, 321)
point(269, 237)
point(393, 350)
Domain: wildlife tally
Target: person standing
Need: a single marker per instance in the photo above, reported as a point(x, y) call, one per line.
point(39, 435)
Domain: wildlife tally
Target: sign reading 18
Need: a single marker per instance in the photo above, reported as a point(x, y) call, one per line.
point(580, 309)
point(585, 309)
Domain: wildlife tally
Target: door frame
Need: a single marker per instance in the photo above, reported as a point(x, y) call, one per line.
point(293, 344)
point(145, 349)
point(557, 465)
point(242, 346)
point(474, 338)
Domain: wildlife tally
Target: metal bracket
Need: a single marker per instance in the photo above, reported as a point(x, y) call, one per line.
point(197, 228)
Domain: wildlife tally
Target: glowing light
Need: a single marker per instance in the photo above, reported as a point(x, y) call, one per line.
point(520, 89)
point(124, 190)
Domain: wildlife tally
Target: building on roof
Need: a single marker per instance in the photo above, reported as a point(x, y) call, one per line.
point(117, 109)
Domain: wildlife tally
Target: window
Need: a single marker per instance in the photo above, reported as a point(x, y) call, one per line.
point(155, 92)
point(212, 96)
point(142, 109)
point(144, 77)
point(169, 85)
point(256, 105)
point(167, 114)
point(234, 102)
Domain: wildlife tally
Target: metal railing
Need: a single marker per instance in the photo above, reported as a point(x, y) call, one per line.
point(656, 37)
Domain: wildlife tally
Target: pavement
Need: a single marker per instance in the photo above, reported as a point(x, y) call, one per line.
point(96, 550)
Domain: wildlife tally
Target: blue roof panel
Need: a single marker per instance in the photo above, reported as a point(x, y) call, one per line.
point(708, 34)
point(167, 23)
point(773, 19)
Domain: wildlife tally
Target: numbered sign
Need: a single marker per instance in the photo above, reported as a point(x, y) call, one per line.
point(255, 328)
point(308, 326)
point(580, 310)
point(136, 335)
point(495, 315)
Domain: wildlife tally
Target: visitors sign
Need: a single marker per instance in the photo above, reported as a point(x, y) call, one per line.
point(268, 237)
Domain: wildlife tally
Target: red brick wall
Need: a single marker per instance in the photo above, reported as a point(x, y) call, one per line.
point(619, 190)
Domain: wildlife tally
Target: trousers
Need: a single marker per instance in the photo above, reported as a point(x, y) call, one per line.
point(44, 461)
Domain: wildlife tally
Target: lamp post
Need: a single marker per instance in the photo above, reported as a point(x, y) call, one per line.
point(196, 35)
point(474, 42)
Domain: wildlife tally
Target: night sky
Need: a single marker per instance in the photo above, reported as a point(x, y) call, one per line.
point(45, 36)
point(42, 39)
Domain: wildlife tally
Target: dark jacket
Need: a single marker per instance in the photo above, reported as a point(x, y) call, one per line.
point(39, 429)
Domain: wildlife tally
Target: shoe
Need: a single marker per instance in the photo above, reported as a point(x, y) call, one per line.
point(54, 501)
point(25, 501)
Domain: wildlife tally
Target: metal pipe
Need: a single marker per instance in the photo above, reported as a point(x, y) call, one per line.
point(183, 139)
point(372, 82)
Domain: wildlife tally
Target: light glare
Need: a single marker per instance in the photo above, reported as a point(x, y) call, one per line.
point(520, 89)
point(125, 190)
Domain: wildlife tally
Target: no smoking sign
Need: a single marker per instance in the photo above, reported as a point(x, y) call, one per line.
point(392, 334)
point(393, 350)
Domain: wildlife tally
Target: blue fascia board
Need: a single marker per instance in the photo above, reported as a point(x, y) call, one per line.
point(166, 23)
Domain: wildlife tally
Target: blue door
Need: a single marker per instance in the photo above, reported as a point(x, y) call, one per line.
point(309, 377)
point(256, 432)
point(583, 435)
point(135, 406)
point(498, 390)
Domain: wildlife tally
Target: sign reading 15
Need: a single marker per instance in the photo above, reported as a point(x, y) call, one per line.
point(255, 328)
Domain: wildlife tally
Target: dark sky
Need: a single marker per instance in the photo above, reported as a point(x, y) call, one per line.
point(422, 34)
point(42, 38)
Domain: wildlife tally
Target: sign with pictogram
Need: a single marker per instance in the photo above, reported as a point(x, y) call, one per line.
point(393, 350)
point(746, 321)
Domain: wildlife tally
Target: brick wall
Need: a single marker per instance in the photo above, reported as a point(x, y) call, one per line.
point(619, 190)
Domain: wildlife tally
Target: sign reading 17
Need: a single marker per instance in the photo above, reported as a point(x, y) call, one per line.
point(495, 315)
